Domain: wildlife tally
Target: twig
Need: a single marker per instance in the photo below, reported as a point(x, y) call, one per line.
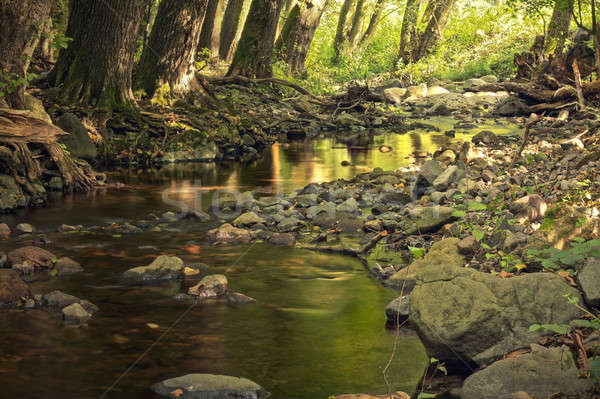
point(528, 127)
point(394, 347)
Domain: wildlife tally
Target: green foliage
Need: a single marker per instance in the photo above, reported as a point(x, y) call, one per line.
point(10, 82)
point(555, 259)
point(417, 253)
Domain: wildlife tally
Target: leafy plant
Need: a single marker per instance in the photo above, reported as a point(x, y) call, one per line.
point(417, 252)
point(555, 259)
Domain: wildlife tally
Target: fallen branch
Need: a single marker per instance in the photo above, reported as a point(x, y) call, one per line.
point(528, 127)
point(281, 82)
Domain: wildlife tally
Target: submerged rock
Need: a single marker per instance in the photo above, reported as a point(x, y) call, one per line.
point(162, 268)
point(39, 258)
point(75, 314)
point(66, 265)
point(24, 228)
point(239, 299)
point(13, 290)
point(397, 310)
point(249, 219)
point(465, 315)
point(209, 386)
point(541, 373)
point(58, 299)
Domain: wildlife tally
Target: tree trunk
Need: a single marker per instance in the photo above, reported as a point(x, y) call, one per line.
point(558, 29)
point(254, 52)
point(21, 23)
point(357, 21)
point(96, 67)
point(435, 28)
point(229, 28)
point(208, 27)
point(374, 22)
point(169, 57)
point(340, 36)
point(408, 31)
point(299, 31)
point(148, 21)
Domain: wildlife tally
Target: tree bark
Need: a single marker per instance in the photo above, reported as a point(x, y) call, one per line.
point(229, 28)
point(21, 23)
point(374, 22)
point(208, 27)
point(169, 57)
point(340, 36)
point(408, 31)
point(435, 28)
point(254, 51)
point(559, 27)
point(148, 21)
point(357, 21)
point(96, 67)
point(299, 31)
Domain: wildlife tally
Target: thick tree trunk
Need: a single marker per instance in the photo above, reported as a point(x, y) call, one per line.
point(374, 22)
point(21, 23)
point(435, 28)
point(558, 29)
point(357, 21)
point(254, 51)
point(169, 57)
point(229, 28)
point(408, 31)
point(340, 36)
point(148, 21)
point(299, 31)
point(208, 27)
point(96, 67)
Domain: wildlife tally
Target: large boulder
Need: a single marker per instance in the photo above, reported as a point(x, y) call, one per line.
point(163, 267)
point(511, 106)
point(463, 315)
point(78, 142)
point(395, 95)
point(12, 288)
point(426, 219)
point(209, 386)
point(444, 253)
point(11, 195)
point(226, 233)
point(448, 103)
point(589, 281)
point(541, 373)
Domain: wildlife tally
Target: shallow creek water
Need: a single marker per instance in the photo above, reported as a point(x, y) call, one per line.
point(316, 330)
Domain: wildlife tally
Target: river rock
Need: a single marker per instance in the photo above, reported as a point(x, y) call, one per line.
point(24, 228)
point(12, 289)
point(490, 79)
point(237, 299)
point(11, 194)
point(288, 223)
point(40, 258)
point(541, 373)
point(395, 95)
point(444, 253)
point(212, 286)
point(436, 90)
point(473, 83)
point(285, 239)
point(78, 142)
point(397, 310)
point(532, 208)
point(485, 137)
point(449, 103)
point(465, 315)
point(226, 233)
point(418, 91)
point(66, 265)
point(589, 281)
point(75, 314)
point(348, 206)
point(209, 386)
point(426, 219)
point(306, 200)
point(347, 120)
point(162, 268)
point(4, 231)
point(327, 207)
point(58, 299)
point(249, 219)
point(450, 175)
point(511, 106)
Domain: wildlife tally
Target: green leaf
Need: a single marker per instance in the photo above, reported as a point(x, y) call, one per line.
point(478, 234)
point(582, 323)
point(424, 395)
point(416, 252)
point(476, 206)
point(459, 214)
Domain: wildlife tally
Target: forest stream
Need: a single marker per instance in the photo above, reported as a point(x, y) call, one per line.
point(317, 328)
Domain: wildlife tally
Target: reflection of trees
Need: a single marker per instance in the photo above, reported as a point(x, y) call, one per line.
point(416, 141)
point(440, 140)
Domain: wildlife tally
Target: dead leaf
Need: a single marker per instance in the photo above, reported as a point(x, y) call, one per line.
point(504, 274)
point(176, 393)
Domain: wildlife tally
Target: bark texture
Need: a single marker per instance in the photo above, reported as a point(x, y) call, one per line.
point(96, 67)
point(374, 22)
point(340, 35)
point(357, 21)
point(21, 23)
point(440, 12)
point(254, 51)
point(299, 31)
point(558, 29)
point(169, 57)
point(408, 31)
point(229, 28)
point(208, 27)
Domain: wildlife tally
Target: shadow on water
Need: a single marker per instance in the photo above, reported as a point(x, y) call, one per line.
point(316, 330)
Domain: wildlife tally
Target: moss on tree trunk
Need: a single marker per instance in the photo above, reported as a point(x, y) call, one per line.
point(96, 67)
point(559, 27)
point(254, 52)
point(169, 57)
